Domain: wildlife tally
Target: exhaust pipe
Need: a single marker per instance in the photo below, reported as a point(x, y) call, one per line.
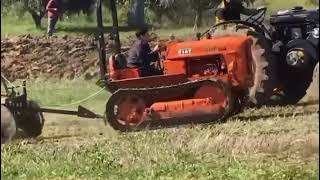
point(104, 79)
point(101, 44)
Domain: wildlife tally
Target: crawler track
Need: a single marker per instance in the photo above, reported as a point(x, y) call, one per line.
point(168, 93)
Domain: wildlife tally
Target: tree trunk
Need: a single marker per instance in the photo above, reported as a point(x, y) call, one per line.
point(198, 20)
point(136, 15)
point(159, 16)
point(36, 18)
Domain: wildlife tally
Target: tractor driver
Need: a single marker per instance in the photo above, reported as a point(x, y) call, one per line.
point(232, 9)
point(141, 56)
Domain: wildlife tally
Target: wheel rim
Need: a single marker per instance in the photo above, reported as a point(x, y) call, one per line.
point(129, 111)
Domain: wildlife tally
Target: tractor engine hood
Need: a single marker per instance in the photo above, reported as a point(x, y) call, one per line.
point(206, 47)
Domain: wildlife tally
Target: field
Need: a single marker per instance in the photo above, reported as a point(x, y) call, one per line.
point(266, 143)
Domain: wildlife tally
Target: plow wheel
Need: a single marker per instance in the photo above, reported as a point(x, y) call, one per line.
point(31, 121)
point(263, 64)
point(194, 102)
point(8, 125)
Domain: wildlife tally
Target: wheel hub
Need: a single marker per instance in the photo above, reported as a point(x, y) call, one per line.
point(295, 57)
point(130, 110)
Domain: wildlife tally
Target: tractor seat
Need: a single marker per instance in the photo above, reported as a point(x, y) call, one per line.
point(120, 61)
point(118, 68)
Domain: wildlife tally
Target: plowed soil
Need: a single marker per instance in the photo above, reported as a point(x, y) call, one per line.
point(29, 57)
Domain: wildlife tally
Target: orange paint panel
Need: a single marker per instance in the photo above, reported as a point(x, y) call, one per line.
point(166, 110)
point(237, 64)
point(204, 47)
point(233, 49)
point(126, 73)
point(174, 67)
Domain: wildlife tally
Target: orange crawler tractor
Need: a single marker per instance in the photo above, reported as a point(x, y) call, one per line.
point(204, 80)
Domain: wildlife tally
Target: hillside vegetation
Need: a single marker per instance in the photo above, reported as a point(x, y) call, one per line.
point(270, 143)
point(15, 23)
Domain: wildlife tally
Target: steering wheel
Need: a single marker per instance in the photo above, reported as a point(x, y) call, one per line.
point(256, 24)
point(258, 20)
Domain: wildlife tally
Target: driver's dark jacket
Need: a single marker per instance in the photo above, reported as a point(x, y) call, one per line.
point(141, 55)
point(233, 9)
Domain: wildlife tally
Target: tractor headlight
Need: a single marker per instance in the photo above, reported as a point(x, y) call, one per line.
point(295, 57)
point(315, 33)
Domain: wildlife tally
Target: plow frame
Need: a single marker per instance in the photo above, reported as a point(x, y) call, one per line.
point(18, 102)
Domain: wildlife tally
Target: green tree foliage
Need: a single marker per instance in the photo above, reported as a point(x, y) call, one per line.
point(175, 9)
point(133, 12)
point(169, 8)
point(314, 2)
point(199, 7)
point(136, 15)
point(36, 8)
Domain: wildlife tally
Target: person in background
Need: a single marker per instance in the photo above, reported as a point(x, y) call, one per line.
point(232, 10)
point(141, 56)
point(54, 9)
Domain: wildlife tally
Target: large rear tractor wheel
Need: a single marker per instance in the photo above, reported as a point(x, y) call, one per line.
point(263, 64)
point(302, 86)
point(31, 120)
point(313, 90)
point(8, 125)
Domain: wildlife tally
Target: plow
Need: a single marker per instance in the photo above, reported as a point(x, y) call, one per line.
point(204, 80)
point(20, 113)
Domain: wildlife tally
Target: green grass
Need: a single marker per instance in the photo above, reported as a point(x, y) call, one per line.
point(132, 159)
point(12, 25)
point(80, 26)
point(274, 6)
point(57, 94)
point(268, 143)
